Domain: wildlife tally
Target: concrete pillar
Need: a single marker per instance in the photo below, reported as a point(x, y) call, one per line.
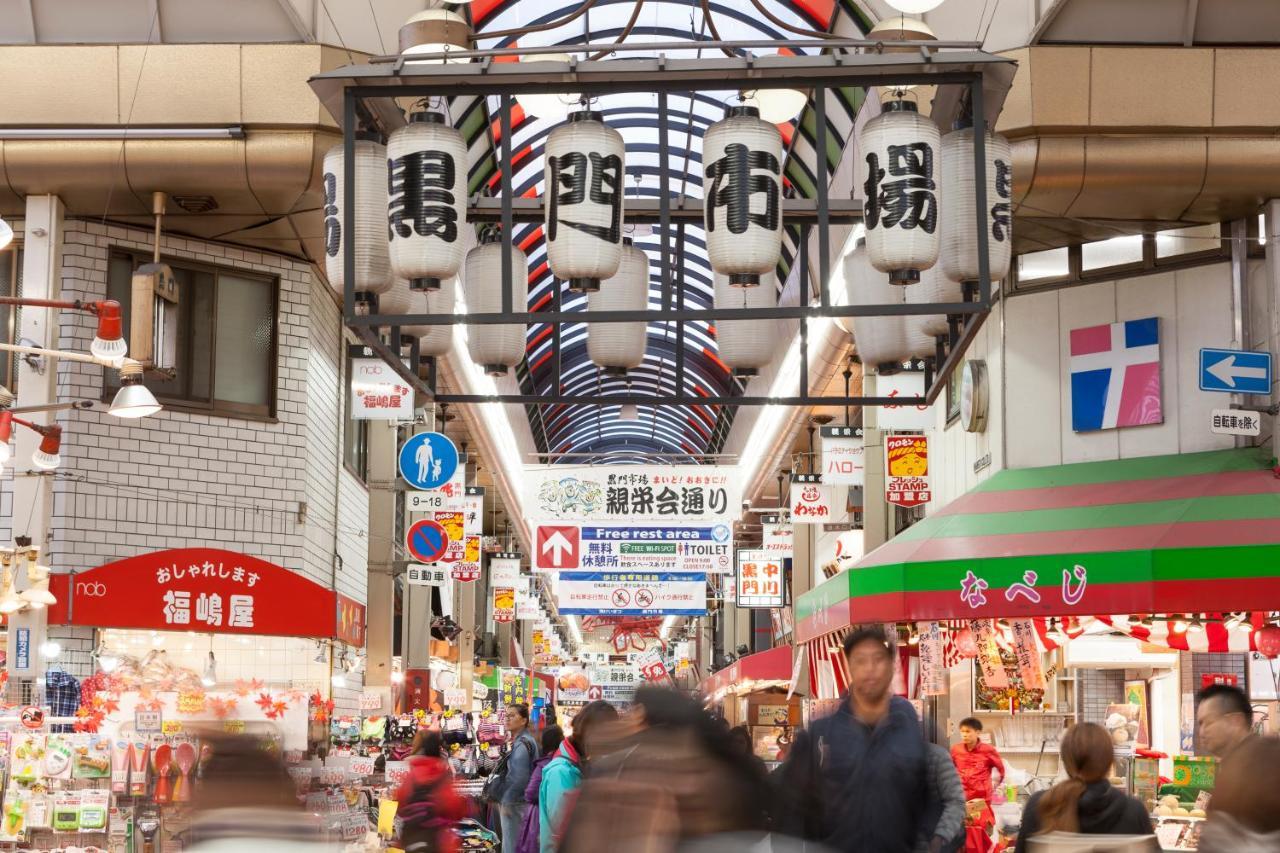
point(877, 515)
point(1272, 224)
point(381, 609)
point(32, 489)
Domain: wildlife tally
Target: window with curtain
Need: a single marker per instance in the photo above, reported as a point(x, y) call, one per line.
point(226, 341)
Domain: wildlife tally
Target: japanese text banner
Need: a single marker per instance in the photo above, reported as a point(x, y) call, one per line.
point(601, 494)
point(632, 594)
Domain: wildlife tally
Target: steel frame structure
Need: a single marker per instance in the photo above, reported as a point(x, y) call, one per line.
point(368, 94)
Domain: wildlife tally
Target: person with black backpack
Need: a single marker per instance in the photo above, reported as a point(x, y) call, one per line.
point(429, 806)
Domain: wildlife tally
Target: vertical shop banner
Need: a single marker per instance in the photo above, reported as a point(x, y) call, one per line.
point(515, 687)
point(378, 392)
point(906, 466)
point(778, 540)
point(677, 495)
point(504, 604)
point(467, 568)
point(760, 579)
point(933, 674)
point(843, 463)
point(1028, 654)
point(473, 510)
point(815, 502)
point(909, 416)
point(988, 659)
point(504, 570)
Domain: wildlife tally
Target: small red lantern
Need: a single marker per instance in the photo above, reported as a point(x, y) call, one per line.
point(1267, 641)
point(965, 644)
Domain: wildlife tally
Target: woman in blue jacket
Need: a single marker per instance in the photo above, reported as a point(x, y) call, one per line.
point(562, 776)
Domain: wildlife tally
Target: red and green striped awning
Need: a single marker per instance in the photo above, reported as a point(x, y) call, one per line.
point(1196, 532)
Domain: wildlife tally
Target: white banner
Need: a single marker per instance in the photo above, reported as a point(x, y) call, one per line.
point(624, 494)
point(504, 571)
point(632, 594)
point(378, 393)
point(660, 549)
point(779, 540)
point(933, 674)
point(451, 497)
point(817, 503)
point(842, 456)
point(907, 385)
point(432, 575)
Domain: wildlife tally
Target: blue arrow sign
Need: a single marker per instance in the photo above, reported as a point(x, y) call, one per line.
point(428, 460)
point(1235, 371)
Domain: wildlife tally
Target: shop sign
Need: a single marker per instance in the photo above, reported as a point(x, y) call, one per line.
point(473, 511)
point(1030, 667)
point(432, 575)
point(842, 456)
point(909, 416)
point(933, 674)
point(515, 687)
point(778, 540)
point(504, 571)
point(759, 579)
point(527, 607)
point(626, 494)
point(148, 722)
point(454, 527)
point(378, 392)
point(815, 502)
point(22, 644)
point(206, 590)
point(664, 549)
point(988, 659)
point(906, 466)
point(1209, 679)
point(370, 700)
point(632, 594)
point(652, 667)
point(504, 604)
point(467, 568)
point(350, 624)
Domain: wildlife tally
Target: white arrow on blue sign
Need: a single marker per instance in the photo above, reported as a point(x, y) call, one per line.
point(1235, 371)
point(428, 460)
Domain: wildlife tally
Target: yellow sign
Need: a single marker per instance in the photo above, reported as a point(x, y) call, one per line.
point(387, 817)
point(233, 727)
point(171, 727)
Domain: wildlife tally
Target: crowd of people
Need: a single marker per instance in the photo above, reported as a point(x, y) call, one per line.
point(668, 775)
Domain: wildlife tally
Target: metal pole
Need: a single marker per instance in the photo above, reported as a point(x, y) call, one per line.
point(980, 190)
point(804, 322)
point(504, 169)
point(664, 197)
point(347, 225)
point(820, 175)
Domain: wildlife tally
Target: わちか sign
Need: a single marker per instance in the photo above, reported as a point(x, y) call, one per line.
point(906, 466)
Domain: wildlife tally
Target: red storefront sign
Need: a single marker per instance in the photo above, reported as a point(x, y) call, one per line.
point(205, 590)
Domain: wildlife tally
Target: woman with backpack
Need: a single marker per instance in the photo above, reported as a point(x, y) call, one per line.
point(429, 806)
point(552, 737)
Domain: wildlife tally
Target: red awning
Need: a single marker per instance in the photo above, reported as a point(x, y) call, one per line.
point(773, 667)
point(206, 590)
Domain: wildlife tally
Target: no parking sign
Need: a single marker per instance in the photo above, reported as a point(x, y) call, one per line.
point(426, 540)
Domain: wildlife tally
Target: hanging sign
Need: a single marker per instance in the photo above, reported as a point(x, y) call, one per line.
point(842, 456)
point(933, 674)
point(199, 589)
point(815, 502)
point(378, 392)
point(632, 594)
point(1028, 654)
point(432, 575)
point(428, 460)
point(628, 494)
point(504, 604)
point(778, 540)
point(906, 467)
point(652, 667)
point(664, 549)
point(504, 570)
point(759, 579)
point(452, 524)
point(914, 416)
point(988, 659)
point(473, 510)
point(467, 569)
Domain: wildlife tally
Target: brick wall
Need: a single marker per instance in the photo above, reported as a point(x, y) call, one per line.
point(277, 490)
point(1098, 688)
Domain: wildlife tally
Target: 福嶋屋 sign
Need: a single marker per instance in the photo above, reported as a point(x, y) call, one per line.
point(378, 392)
point(906, 468)
point(760, 579)
point(842, 456)
point(912, 414)
point(632, 594)
point(815, 502)
point(1235, 371)
point(669, 549)
point(207, 590)
point(1235, 422)
point(626, 494)
point(428, 460)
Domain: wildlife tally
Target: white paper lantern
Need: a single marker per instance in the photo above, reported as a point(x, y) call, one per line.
point(501, 346)
point(934, 287)
point(901, 191)
point(427, 200)
point(959, 209)
point(583, 187)
point(619, 346)
point(373, 260)
point(878, 340)
point(746, 345)
point(402, 300)
point(742, 195)
point(435, 31)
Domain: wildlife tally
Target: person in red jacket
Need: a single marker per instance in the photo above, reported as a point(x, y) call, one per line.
point(429, 805)
point(975, 760)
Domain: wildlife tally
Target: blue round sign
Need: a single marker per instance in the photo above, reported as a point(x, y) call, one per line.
point(428, 460)
point(426, 540)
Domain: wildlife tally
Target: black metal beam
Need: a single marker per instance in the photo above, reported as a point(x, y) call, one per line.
point(619, 399)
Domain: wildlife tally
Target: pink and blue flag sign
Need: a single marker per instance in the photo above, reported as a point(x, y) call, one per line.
point(1115, 375)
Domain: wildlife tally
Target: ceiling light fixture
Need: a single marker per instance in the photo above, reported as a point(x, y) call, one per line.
point(37, 594)
point(775, 105)
point(914, 7)
point(133, 400)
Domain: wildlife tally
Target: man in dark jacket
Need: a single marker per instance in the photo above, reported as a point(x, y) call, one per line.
point(855, 781)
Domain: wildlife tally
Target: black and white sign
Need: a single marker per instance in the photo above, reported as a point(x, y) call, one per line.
point(435, 574)
point(842, 456)
point(1235, 422)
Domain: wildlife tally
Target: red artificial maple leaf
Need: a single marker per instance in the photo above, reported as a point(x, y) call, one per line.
point(264, 701)
point(105, 704)
point(222, 708)
point(276, 711)
point(152, 705)
point(87, 721)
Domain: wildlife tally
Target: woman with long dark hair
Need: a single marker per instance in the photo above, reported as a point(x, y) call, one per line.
point(1086, 802)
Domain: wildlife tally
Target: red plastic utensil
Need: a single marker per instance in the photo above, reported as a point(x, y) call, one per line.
point(186, 760)
point(163, 760)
